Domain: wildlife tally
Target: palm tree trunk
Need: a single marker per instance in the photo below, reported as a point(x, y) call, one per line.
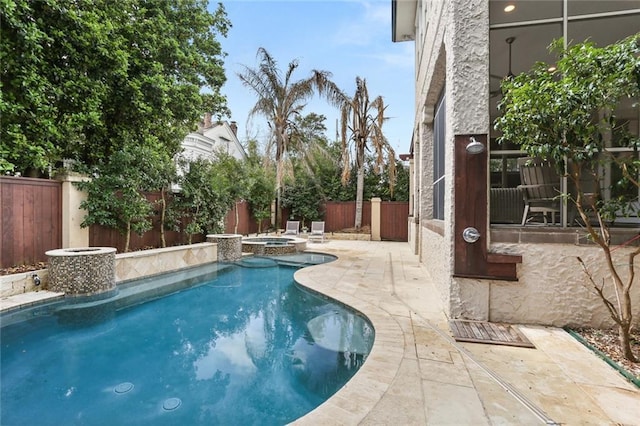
point(359, 197)
point(279, 166)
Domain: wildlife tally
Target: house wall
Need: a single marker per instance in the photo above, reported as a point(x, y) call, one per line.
point(554, 290)
point(452, 55)
point(431, 243)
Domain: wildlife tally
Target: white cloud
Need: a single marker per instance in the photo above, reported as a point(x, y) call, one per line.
point(402, 57)
point(372, 21)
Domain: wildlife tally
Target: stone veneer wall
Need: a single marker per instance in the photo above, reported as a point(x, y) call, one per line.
point(229, 246)
point(82, 271)
point(262, 249)
point(138, 264)
point(13, 284)
point(347, 236)
point(128, 266)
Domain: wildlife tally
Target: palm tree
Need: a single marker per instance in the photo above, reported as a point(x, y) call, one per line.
point(280, 100)
point(361, 123)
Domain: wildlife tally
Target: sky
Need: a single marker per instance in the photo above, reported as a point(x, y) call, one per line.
point(348, 38)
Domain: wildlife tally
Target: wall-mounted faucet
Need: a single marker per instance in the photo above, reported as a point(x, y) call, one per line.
point(470, 235)
point(36, 279)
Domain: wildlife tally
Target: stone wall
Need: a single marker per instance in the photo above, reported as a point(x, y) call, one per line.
point(128, 266)
point(229, 246)
point(82, 271)
point(133, 265)
point(13, 284)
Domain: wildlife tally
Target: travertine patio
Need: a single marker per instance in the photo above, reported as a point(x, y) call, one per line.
point(418, 375)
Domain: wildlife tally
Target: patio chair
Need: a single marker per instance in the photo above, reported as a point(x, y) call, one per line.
point(293, 227)
point(317, 232)
point(540, 188)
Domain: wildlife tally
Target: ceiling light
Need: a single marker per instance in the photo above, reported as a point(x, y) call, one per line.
point(510, 8)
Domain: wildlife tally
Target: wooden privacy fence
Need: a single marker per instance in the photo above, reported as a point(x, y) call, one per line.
point(30, 219)
point(31, 222)
point(339, 215)
point(100, 236)
point(246, 224)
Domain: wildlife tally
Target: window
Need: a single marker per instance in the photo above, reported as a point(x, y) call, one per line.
point(533, 26)
point(439, 140)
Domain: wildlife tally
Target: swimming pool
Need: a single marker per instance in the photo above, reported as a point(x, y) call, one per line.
point(240, 345)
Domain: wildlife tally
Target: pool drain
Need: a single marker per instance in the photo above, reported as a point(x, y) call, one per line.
point(171, 404)
point(123, 387)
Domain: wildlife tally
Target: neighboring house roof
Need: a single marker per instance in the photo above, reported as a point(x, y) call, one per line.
point(212, 137)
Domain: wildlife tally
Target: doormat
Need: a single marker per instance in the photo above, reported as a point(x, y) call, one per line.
point(488, 332)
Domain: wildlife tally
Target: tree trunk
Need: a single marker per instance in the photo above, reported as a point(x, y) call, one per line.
point(127, 237)
point(279, 166)
point(278, 212)
point(625, 341)
point(235, 227)
point(163, 213)
point(359, 197)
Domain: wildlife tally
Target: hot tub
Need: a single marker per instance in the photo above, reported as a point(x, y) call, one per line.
point(273, 245)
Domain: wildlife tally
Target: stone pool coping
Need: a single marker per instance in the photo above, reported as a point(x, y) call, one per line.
point(354, 401)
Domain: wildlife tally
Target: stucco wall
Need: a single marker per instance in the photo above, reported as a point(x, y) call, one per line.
point(435, 257)
point(451, 55)
point(553, 288)
point(467, 47)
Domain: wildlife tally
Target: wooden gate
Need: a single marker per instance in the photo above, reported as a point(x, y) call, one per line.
point(393, 221)
point(30, 219)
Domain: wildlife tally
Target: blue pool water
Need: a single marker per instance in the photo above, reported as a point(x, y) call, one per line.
point(240, 345)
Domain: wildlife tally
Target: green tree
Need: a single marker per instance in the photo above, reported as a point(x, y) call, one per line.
point(197, 201)
point(328, 170)
point(555, 116)
point(230, 183)
point(84, 79)
point(361, 129)
point(161, 174)
point(401, 187)
point(280, 100)
point(116, 196)
point(302, 199)
point(260, 184)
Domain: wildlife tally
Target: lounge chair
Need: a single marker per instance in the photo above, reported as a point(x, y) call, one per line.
point(292, 227)
point(540, 188)
point(317, 232)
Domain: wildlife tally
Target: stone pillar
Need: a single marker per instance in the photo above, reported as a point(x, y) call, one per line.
point(375, 219)
point(82, 271)
point(229, 246)
point(72, 215)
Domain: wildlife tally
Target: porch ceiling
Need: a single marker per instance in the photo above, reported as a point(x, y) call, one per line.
point(532, 41)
